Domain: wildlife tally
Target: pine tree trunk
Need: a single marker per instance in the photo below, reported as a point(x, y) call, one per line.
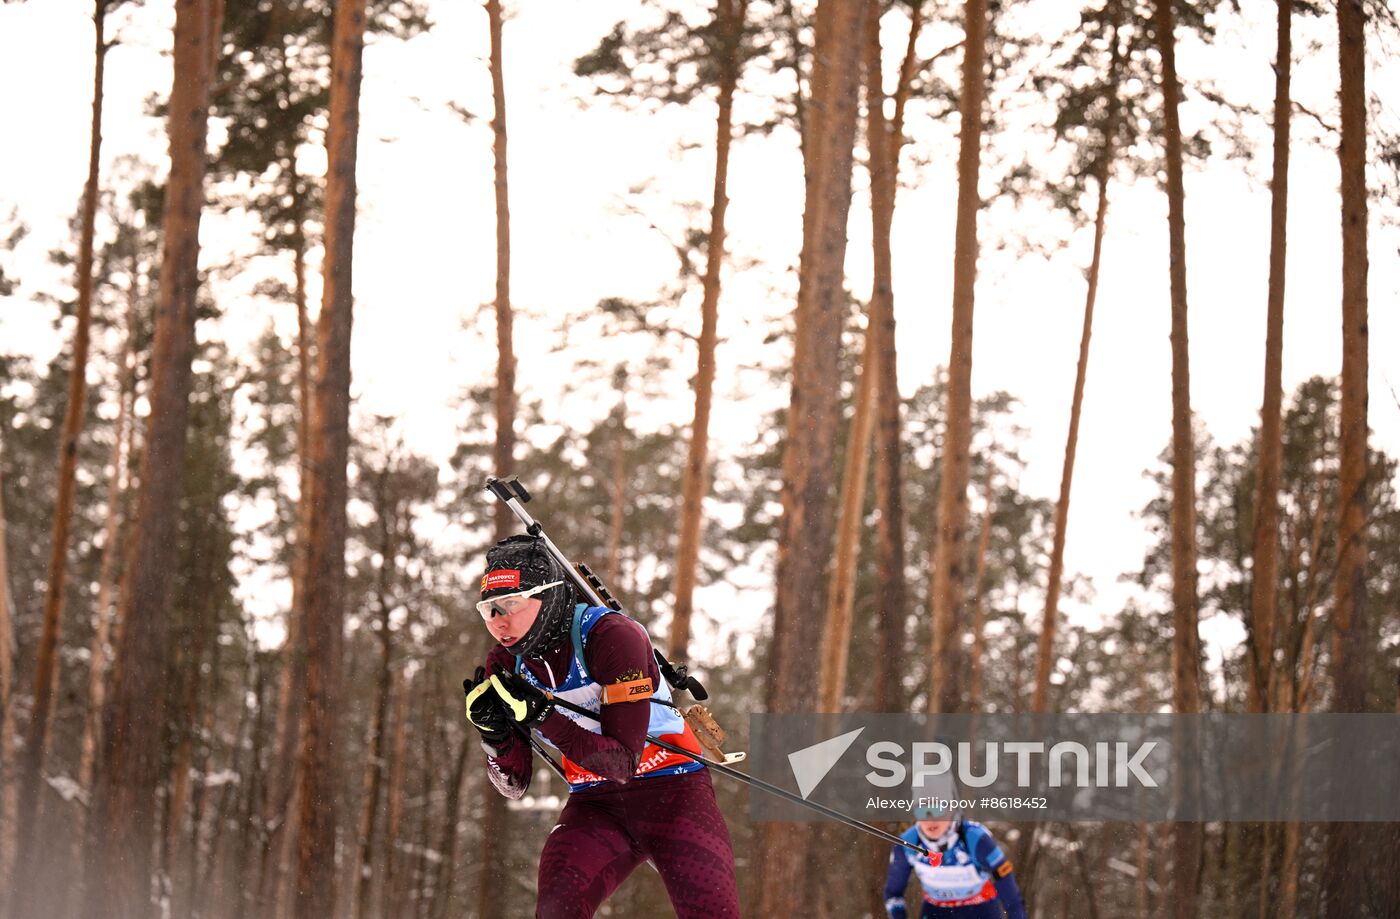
point(617, 489)
point(1349, 587)
point(393, 809)
point(209, 882)
point(886, 140)
point(979, 607)
point(1186, 837)
point(244, 874)
point(804, 548)
point(1264, 589)
point(113, 544)
point(189, 890)
point(374, 762)
point(1299, 701)
point(189, 665)
point(111, 547)
point(729, 15)
point(423, 872)
point(325, 546)
point(8, 787)
point(278, 803)
point(1046, 656)
point(946, 595)
point(447, 846)
point(504, 455)
point(46, 668)
point(836, 637)
point(1342, 876)
point(122, 821)
point(492, 876)
point(1264, 573)
point(277, 810)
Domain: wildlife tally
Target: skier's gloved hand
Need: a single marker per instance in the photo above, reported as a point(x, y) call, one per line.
point(525, 704)
point(485, 710)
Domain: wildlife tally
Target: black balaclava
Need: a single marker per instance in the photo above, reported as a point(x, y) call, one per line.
point(518, 563)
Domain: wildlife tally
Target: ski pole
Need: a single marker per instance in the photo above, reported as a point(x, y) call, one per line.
point(539, 748)
point(753, 782)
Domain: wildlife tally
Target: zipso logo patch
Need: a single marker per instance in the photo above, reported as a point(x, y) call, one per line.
point(505, 577)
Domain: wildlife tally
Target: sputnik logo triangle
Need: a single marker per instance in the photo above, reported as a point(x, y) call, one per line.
point(811, 764)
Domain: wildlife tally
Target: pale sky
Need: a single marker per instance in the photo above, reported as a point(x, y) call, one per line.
point(424, 258)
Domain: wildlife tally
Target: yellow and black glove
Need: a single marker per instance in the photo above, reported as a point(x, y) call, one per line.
point(485, 710)
point(525, 703)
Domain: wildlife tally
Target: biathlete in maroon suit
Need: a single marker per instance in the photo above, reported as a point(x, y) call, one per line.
point(630, 801)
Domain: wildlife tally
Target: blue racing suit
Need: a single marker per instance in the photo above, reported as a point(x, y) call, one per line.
point(969, 878)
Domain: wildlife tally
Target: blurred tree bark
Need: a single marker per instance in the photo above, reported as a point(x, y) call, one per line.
point(422, 874)
point(1264, 586)
point(1259, 839)
point(949, 555)
point(46, 662)
point(324, 590)
point(447, 846)
point(836, 637)
point(1343, 875)
point(884, 138)
point(504, 455)
point(886, 141)
point(393, 808)
point(122, 444)
point(122, 821)
point(617, 489)
point(374, 759)
point(729, 17)
point(280, 803)
point(493, 872)
point(8, 787)
point(804, 547)
point(1046, 655)
point(189, 893)
point(1186, 693)
point(979, 603)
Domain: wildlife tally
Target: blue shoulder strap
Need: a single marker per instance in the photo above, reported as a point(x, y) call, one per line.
point(576, 633)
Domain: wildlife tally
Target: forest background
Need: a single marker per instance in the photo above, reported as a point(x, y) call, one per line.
point(612, 155)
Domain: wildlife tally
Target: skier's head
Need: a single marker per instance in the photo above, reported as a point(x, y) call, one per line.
point(526, 598)
point(936, 812)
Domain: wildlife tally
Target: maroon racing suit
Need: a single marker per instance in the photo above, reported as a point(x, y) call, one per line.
point(623, 815)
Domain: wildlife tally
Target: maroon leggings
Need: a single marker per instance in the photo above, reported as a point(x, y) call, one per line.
point(671, 821)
